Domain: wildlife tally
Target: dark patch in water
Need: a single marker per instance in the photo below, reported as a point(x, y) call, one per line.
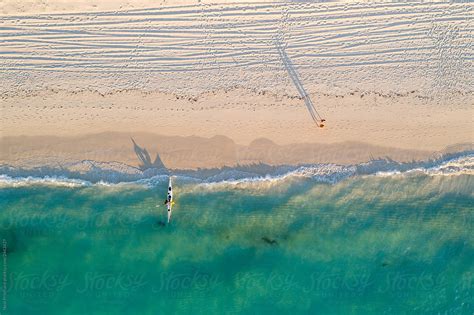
point(269, 241)
point(161, 223)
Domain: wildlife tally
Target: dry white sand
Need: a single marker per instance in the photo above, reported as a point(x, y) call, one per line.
point(15, 7)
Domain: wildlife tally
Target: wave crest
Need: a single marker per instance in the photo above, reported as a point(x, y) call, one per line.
point(89, 173)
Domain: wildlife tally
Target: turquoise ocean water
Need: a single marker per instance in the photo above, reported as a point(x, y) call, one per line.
point(393, 242)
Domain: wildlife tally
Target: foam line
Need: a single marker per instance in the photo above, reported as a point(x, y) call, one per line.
point(121, 175)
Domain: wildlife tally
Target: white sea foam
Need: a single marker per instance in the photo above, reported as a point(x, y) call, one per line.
point(461, 164)
point(7, 181)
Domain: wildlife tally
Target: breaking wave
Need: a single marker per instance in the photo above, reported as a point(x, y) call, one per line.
point(90, 173)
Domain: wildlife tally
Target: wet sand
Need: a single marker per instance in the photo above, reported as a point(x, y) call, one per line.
point(403, 122)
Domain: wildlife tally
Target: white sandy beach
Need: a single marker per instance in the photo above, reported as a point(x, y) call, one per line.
point(395, 77)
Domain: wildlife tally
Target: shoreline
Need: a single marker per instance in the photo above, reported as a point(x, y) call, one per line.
point(88, 173)
point(149, 150)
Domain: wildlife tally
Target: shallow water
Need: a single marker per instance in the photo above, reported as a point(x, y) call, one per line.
point(391, 244)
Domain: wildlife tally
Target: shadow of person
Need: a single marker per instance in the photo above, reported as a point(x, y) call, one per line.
point(144, 158)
